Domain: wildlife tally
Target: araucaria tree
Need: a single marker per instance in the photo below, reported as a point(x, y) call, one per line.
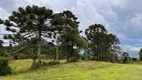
point(69, 35)
point(29, 23)
point(100, 42)
point(140, 55)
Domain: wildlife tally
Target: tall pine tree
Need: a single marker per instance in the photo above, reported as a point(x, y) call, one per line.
point(28, 23)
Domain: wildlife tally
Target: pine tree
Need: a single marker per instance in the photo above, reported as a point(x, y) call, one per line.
point(28, 23)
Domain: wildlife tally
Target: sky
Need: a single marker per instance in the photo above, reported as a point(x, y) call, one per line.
point(120, 17)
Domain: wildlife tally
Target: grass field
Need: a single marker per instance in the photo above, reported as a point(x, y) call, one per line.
point(83, 70)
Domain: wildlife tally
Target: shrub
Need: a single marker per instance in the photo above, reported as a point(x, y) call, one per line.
point(53, 63)
point(35, 66)
point(135, 59)
point(140, 56)
point(75, 56)
point(4, 68)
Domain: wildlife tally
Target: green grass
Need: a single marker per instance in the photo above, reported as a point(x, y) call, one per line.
point(83, 70)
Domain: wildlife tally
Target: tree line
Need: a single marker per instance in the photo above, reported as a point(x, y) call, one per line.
point(38, 32)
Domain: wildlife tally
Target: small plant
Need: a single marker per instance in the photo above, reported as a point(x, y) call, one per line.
point(4, 68)
point(53, 63)
point(35, 66)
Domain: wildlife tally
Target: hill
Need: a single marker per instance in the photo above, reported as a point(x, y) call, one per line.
point(83, 70)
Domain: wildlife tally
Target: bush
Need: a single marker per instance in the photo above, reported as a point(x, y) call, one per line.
point(53, 63)
point(4, 68)
point(135, 59)
point(75, 56)
point(140, 56)
point(35, 66)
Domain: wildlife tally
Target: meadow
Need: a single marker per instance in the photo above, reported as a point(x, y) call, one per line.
point(83, 70)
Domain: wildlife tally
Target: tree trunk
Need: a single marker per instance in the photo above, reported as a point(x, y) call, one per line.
point(57, 49)
point(86, 55)
point(56, 53)
point(34, 60)
point(39, 45)
point(67, 58)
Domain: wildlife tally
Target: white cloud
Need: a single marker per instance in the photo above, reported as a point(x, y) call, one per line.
point(130, 48)
point(3, 14)
point(126, 38)
point(121, 17)
point(137, 20)
point(119, 3)
point(87, 11)
point(135, 48)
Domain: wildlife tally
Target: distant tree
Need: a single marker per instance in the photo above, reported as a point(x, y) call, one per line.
point(26, 51)
point(49, 50)
point(1, 22)
point(100, 42)
point(140, 54)
point(1, 44)
point(1, 48)
point(28, 23)
point(135, 59)
point(125, 57)
point(69, 36)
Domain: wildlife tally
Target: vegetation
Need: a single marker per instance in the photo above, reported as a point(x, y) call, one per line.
point(32, 23)
point(140, 55)
point(40, 39)
point(135, 59)
point(85, 70)
point(4, 68)
point(125, 57)
point(101, 44)
point(66, 23)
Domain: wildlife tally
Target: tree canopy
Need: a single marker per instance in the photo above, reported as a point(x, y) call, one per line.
point(69, 36)
point(140, 54)
point(28, 23)
point(99, 41)
point(32, 24)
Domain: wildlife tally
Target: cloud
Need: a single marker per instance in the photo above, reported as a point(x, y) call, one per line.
point(136, 20)
point(3, 14)
point(135, 49)
point(127, 48)
point(121, 17)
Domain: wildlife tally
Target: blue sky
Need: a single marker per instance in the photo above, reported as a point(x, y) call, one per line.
point(121, 17)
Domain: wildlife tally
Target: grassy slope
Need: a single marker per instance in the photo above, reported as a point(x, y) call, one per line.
point(85, 70)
